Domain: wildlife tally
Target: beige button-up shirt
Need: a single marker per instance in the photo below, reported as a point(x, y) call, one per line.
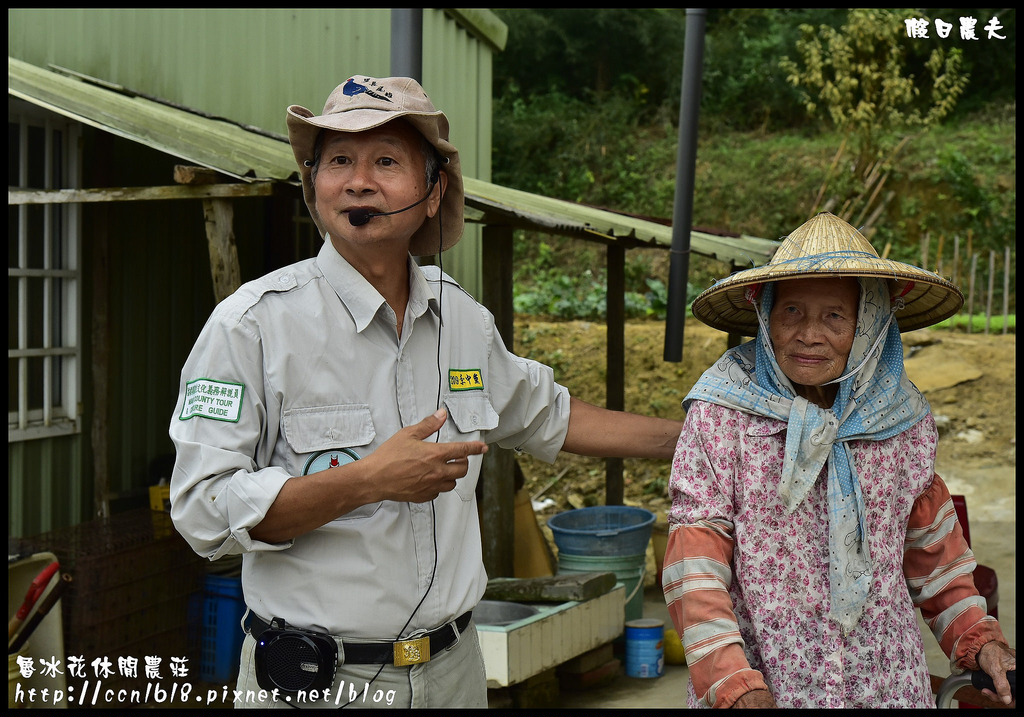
point(303, 368)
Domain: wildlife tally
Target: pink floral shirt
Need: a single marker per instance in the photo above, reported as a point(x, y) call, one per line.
point(747, 582)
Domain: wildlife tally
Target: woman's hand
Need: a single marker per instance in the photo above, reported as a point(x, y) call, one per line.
point(996, 659)
point(755, 699)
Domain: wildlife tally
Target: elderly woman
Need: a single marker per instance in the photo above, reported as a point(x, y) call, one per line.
point(807, 521)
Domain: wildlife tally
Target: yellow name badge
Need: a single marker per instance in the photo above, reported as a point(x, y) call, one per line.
point(465, 379)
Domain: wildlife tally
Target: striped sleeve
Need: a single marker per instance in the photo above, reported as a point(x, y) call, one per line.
point(939, 568)
point(696, 577)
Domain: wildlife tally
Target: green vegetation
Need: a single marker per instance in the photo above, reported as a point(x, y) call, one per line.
point(860, 82)
point(928, 172)
point(978, 324)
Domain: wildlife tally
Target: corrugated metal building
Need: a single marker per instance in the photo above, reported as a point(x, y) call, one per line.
point(107, 297)
point(109, 262)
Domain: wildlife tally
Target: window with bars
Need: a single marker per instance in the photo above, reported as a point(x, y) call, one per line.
point(43, 278)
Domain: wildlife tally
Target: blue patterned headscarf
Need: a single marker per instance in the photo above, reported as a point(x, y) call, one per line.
point(875, 401)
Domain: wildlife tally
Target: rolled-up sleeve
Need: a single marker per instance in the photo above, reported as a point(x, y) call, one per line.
point(939, 567)
point(217, 491)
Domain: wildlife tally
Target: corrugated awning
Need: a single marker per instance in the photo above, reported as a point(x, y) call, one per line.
point(504, 205)
point(254, 155)
point(206, 141)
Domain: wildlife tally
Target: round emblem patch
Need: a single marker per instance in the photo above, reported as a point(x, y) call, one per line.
point(329, 459)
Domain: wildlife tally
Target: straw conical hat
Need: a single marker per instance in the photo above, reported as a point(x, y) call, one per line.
point(825, 245)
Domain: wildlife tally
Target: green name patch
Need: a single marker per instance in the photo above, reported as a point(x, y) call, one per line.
point(219, 400)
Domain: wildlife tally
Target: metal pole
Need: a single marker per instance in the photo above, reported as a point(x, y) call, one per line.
point(407, 57)
point(682, 212)
point(615, 400)
point(407, 42)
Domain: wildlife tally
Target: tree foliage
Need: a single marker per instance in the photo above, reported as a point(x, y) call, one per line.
point(589, 54)
point(743, 86)
point(587, 101)
point(861, 78)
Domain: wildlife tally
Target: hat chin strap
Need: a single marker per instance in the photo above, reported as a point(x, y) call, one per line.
point(897, 304)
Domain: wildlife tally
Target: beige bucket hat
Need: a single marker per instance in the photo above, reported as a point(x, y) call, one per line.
point(825, 245)
point(361, 103)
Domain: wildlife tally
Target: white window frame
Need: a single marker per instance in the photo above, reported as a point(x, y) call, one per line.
point(61, 352)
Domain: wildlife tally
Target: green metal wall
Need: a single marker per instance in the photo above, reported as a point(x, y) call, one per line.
point(248, 65)
point(47, 485)
point(159, 293)
point(460, 68)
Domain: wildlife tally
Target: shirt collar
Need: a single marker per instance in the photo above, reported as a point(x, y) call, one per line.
point(359, 295)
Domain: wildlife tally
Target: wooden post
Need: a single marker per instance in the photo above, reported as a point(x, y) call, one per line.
point(497, 492)
point(956, 258)
point(970, 242)
point(926, 240)
point(938, 254)
point(615, 399)
point(991, 289)
point(1006, 287)
point(220, 237)
point(99, 374)
point(100, 368)
point(220, 233)
point(956, 271)
point(970, 293)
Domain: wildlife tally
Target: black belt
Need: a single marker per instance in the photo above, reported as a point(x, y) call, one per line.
point(399, 652)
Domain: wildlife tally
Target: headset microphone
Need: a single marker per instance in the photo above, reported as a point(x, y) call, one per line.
point(360, 216)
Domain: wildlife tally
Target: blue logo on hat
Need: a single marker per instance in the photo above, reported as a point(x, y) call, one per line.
point(353, 88)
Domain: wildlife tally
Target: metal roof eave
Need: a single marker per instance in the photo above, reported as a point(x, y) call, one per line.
point(250, 155)
point(218, 144)
point(499, 204)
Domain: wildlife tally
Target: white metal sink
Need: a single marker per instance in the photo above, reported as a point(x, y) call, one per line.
point(520, 643)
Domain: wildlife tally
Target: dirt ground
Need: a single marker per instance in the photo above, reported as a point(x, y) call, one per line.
point(969, 379)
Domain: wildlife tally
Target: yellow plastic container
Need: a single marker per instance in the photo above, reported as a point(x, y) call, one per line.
point(674, 652)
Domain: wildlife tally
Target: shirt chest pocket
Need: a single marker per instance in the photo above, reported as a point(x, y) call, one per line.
point(468, 416)
point(320, 428)
point(311, 431)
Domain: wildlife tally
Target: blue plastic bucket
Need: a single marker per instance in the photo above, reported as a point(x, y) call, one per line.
point(645, 648)
point(629, 570)
point(615, 530)
point(223, 608)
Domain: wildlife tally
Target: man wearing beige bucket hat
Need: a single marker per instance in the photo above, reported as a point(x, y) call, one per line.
point(332, 416)
point(807, 521)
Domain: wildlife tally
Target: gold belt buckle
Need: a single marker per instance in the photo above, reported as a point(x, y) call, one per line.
point(412, 652)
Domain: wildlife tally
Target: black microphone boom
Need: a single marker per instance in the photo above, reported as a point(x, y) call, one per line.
point(360, 216)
